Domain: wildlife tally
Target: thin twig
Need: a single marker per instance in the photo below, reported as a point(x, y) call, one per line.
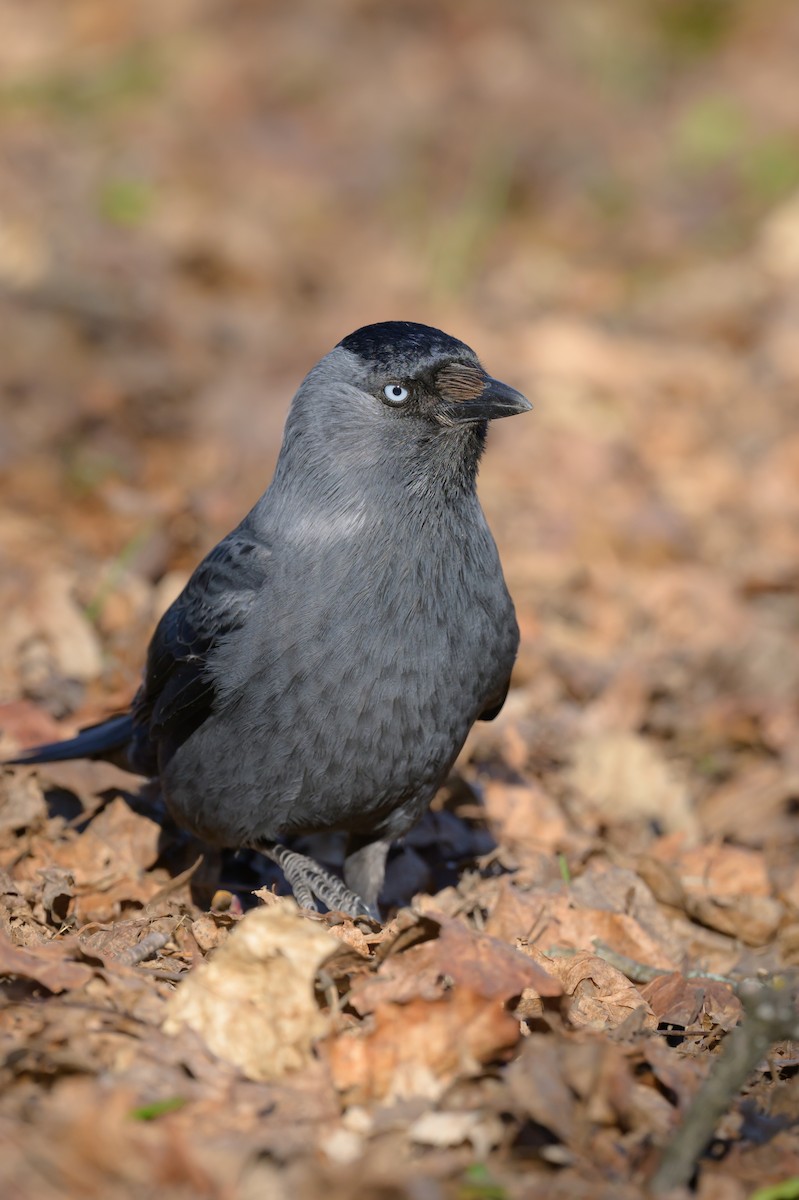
point(769, 1016)
point(173, 884)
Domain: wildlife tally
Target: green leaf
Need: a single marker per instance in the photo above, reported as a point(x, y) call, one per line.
point(126, 201)
point(787, 1190)
point(149, 1112)
point(479, 1184)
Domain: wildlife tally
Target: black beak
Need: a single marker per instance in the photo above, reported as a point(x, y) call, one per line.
point(496, 400)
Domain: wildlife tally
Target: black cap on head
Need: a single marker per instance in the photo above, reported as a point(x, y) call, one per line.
point(384, 343)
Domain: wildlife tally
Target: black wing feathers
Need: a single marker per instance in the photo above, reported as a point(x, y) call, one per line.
point(178, 692)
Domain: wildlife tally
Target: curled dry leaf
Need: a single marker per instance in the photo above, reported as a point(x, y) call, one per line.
point(58, 888)
point(596, 994)
point(253, 1002)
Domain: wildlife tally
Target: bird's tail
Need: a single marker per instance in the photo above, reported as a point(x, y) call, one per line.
point(107, 740)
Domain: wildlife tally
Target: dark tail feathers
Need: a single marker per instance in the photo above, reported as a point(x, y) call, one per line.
point(107, 740)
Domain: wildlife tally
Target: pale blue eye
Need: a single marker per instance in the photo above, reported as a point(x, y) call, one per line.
point(395, 393)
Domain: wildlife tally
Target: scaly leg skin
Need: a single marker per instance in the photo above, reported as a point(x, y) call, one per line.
point(309, 881)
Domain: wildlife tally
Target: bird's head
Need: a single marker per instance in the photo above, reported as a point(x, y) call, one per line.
point(417, 373)
point(399, 397)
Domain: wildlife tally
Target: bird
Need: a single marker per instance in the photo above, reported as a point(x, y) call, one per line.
point(324, 663)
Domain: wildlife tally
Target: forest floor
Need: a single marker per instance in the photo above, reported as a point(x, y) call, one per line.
point(196, 208)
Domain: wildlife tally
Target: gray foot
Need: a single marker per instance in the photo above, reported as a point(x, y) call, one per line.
point(309, 882)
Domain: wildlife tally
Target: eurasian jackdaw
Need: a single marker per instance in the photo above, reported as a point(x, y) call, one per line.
point(323, 665)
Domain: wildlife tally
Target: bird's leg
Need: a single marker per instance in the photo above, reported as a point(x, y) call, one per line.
point(297, 882)
point(308, 880)
point(365, 867)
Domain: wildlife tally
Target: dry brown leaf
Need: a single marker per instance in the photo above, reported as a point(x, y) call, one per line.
point(207, 932)
point(753, 807)
point(524, 818)
point(419, 1048)
point(514, 913)
point(617, 889)
point(662, 878)
point(90, 780)
point(689, 1002)
point(415, 974)
point(583, 928)
point(718, 870)
point(46, 964)
point(460, 956)
point(596, 994)
point(348, 932)
point(538, 1087)
point(58, 889)
point(674, 999)
point(720, 1005)
point(253, 1001)
point(753, 919)
point(551, 920)
point(488, 966)
point(117, 845)
point(726, 888)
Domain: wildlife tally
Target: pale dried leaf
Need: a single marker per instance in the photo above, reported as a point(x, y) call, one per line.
point(449, 1128)
point(253, 1002)
point(625, 777)
point(21, 801)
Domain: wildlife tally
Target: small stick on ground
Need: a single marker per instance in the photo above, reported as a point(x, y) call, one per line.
point(146, 948)
point(770, 1016)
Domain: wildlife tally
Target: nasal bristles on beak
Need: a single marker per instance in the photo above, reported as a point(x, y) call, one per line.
point(460, 381)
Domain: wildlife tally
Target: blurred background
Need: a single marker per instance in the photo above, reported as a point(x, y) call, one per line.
point(199, 198)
